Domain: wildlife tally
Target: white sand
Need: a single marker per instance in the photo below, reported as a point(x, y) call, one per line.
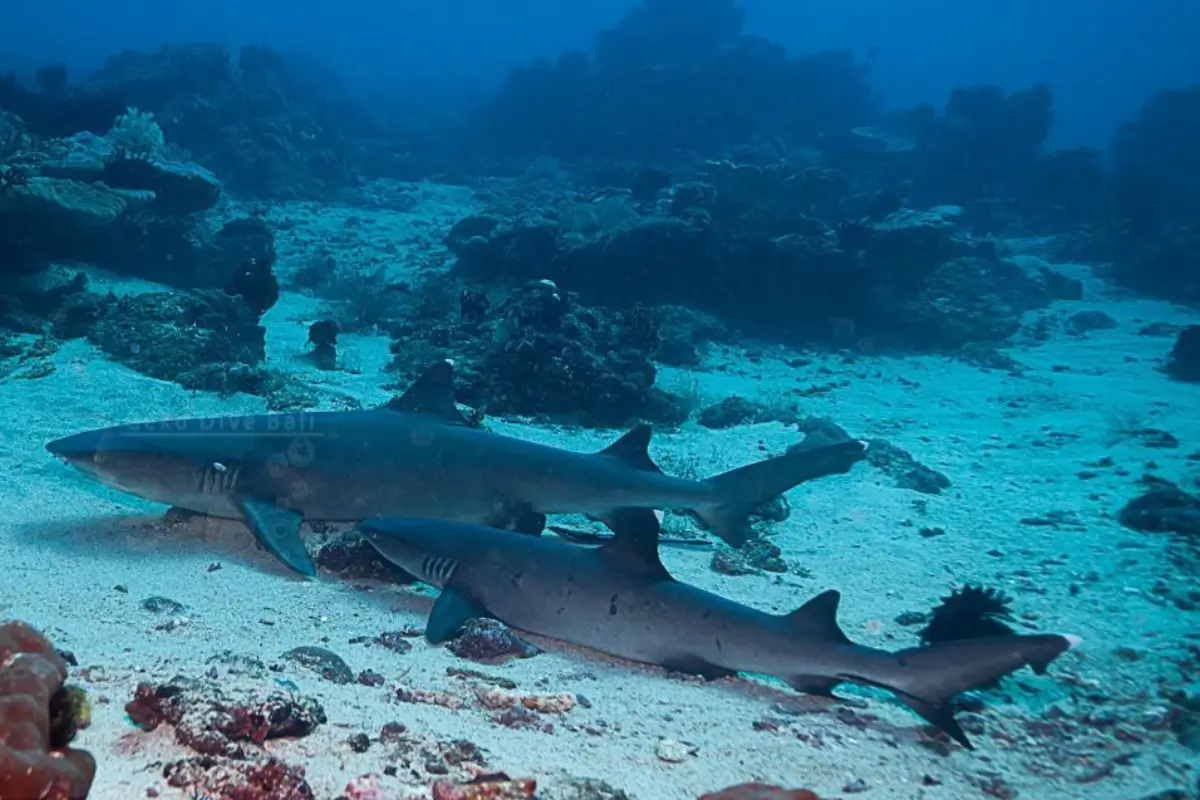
point(65, 543)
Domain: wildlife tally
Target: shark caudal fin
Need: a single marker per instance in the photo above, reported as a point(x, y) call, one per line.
point(744, 489)
point(926, 679)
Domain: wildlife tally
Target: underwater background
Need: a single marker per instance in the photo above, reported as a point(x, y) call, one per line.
point(968, 237)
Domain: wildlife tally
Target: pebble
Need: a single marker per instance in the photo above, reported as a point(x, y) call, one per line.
point(673, 752)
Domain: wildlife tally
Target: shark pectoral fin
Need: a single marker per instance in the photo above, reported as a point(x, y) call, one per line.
point(450, 613)
point(821, 685)
point(278, 530)
point(694, 665)
point(432, 393)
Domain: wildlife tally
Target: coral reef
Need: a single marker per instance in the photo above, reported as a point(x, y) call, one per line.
point(117, 202)
point(38, 718)
point(205, 340)
point(740, 249)
point(713, 89)
point(539, 353)
point(1156, 161)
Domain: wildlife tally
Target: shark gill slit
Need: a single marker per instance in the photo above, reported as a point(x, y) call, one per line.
point(438, 568)
point(218, 479)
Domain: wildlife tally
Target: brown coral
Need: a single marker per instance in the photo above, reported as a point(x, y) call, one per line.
point(31, 677)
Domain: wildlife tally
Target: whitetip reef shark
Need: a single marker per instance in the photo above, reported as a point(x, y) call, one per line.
point(618, 598)
point(418, 457)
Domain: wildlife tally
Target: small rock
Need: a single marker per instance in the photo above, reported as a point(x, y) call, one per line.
point(1085, 321)
point(1127, 654)
point(590, 789)
point(1155, 438)
point(490, 642)
point(732, 562)
point(326, 663)
point(1183, 364)
point(673, 752)
point(370, 678)
point(162, 605)
point(908, 472)
point(1163, 510)
point(764, 555)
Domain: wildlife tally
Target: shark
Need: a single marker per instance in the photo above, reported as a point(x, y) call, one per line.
point(416, 457)
point(618, 598)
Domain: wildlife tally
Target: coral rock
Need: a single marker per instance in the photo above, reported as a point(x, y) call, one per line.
point(31, 677)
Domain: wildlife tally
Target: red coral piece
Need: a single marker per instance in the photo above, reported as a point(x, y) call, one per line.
point(30, 674)
point(760, 791)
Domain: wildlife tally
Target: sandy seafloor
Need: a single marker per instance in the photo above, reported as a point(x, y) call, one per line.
point(1013, 447)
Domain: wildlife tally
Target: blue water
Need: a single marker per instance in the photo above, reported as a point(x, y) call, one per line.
point(1102, 59)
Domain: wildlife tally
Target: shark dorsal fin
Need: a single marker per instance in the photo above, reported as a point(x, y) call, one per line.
point(817, 619)
point(633, 449)
point(432, 393)
point(635, 541)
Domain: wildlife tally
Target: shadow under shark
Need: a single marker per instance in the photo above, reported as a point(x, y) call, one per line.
point(619, 599)
point(419, 457)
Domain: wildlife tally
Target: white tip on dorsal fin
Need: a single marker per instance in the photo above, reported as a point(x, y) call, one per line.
point(1073, 641)
point(658, 515)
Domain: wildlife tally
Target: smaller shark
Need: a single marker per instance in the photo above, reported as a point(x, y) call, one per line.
point(619, 598)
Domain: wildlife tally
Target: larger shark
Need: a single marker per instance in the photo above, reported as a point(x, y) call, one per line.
point(620, 599)
point(417, 458)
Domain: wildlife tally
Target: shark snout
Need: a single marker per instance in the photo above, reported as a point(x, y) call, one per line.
point(75, 449)
point(405, 540)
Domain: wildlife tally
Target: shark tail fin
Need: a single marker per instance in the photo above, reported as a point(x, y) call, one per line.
point(926, 679)
point(742, 490)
